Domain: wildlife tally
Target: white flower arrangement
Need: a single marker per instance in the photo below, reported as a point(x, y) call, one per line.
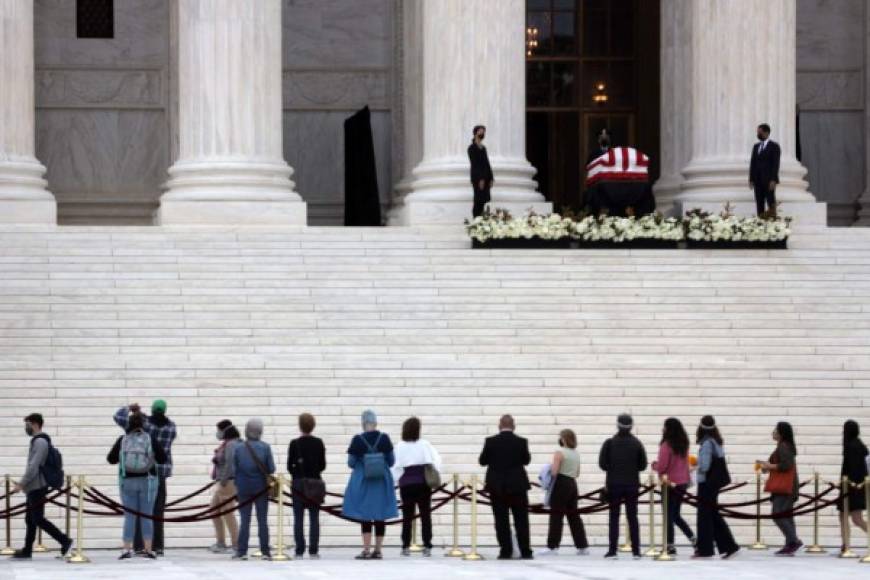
point(501, 226)
point(626, 229)
point(726, 227)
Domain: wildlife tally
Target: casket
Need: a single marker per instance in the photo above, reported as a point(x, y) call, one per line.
point(619, 180)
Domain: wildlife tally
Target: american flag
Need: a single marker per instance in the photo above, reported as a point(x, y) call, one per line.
point(618, 164)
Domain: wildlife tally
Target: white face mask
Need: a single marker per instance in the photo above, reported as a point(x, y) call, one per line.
point(219, 435)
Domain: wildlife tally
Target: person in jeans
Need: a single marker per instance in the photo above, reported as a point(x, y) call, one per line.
point(783, 460)
point(306, 459)
point(673, 465)
point(855, 468)
point(253, 464)
point(369, 497)
point(712, 527)
point(412, 456)
point(165, 432)
point(623, 458)
point(33, 484)
point(225, 487)
point(137, 455)
point(565, 469)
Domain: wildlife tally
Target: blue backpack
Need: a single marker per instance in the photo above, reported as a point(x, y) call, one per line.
point(52, 469)
point(374, 462)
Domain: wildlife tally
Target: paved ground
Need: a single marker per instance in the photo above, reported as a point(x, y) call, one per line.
point(195, 565)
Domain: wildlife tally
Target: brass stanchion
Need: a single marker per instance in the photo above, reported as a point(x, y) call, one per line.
point(455, 551)
point(414, 547)
point(866, 558)
point(653, 551)
point(626, 546)
point(68, 511)
point(663, 555)
point(759, 544)
point(816, 548)
point(846, 552)
point(8, 550)
point(472, 554)
point(79, 556)
point(39, 547)
point(280, 555)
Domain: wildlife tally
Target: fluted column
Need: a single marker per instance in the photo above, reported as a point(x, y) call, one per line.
point(743, 74)
point(864, 212)
point(24, 198)
point(230, 169)
point(472, 72)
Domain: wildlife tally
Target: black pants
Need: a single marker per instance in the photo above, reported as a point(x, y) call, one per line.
point(481, 198)
point(563, 503)
point(617, 495)
point(35, 518)
point(159, 510)
point(712, 528)
point(675, 501)
point(299, 509)
point(416, 496)
point(764, 195)
point(518, 505)
point(380, 528)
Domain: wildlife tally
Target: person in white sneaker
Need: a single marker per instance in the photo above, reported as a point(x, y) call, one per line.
point(565, 469)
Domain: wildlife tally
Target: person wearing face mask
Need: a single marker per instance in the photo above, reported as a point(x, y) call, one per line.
point(34, 485)
point(481, 171)
point(764, 171)
point(225, 488)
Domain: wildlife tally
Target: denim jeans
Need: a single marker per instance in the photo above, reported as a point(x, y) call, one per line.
point(137, 493)
point(299, 509)
point(262, 504)
point(675, 501)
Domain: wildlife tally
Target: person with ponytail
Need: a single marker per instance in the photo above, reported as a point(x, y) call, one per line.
point(855, 457)
point(782, 485)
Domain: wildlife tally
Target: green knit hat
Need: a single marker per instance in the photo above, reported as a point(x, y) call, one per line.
point(158, 406)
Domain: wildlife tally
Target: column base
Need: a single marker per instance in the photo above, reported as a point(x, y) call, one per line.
point(24, 200)
point(863, 211)
point(453, 213)
point(28, 212)
point(209, 213)
point(807, 216)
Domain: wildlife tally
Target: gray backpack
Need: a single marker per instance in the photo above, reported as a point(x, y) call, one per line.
point(137, 456)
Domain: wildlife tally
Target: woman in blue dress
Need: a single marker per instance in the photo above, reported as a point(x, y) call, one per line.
point(370, 496)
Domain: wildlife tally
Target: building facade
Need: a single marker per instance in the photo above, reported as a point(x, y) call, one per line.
point(219, 112)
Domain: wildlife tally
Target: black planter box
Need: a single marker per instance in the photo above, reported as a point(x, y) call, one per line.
point(650, 244)
point(741, 245)
point(522, 244)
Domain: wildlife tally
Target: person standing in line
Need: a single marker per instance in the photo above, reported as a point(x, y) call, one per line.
point(165, 432)
point(673, 463)
point(225, 488)
point(306, 460)
point(35, 487)
point(782, 467)
point(505, 456)
point(253, 466)
point(413, 455)
point(565, 469)
point(712, 476)
point(482, 178)
point(855, 462)
point(623, 458)
point(764, 171)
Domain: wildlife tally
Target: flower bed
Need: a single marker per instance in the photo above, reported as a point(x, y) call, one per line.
point(727, 231)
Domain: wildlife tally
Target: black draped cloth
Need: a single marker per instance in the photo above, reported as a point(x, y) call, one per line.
point(362, 203)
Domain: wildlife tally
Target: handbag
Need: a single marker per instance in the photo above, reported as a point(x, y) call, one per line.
point(432, 477)
point(274, 490)
point(781, 482)
point(374, 462)
point(718, 475)
point(313, 491)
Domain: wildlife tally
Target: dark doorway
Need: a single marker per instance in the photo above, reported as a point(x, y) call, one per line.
point(590, 64)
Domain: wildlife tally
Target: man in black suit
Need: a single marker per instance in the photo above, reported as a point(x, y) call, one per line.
point(764, 171)
point(603, 147)
point(505, 456)
point(481, 171)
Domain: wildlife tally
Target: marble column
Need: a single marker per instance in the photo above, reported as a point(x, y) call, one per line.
point(230, 169)
point(864, 212)
point(743, 55)
point(471, 71)
point(24, 199)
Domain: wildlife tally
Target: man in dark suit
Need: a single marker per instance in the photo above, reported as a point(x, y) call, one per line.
point(764, 171)
point(481, 171)
point(505, 456)
point(603, 147)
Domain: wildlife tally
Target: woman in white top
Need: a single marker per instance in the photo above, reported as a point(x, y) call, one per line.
point(412, 456)
point(563, 500)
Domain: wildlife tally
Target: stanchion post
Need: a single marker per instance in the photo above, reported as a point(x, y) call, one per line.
point(626, 546)
point(846, 552)
point(280, 555)
point(39, 547)
point(866, 558)
point(759, 544)
point(455, 551)
point(663, 555)
point(816, 548)
point(67, 518)
point(8, 550)
point(653, 550)
point(472, 554)
point(79, 556)
point(414, 547)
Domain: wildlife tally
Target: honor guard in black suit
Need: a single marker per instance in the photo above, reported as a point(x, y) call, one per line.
point(481, 171)
point(764, 170)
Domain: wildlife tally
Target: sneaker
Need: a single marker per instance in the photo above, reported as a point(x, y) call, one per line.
point(159, 552)
point(672, 551)
point(405, 552)
point(217, 548)
point(731, 554)
point(266, 557)
point(21, 555)
point(66, 547)
point(238, 556)
point(528, 556)
point(548, 552)
point(796, 547)
point(364, 555)
point(125, 555)
point(427, 552)
point(611, 555)
point(784, 551)
point(694, 541)
point(150, 555)
point(697, 556)
point(376, 555)
point(582, 551)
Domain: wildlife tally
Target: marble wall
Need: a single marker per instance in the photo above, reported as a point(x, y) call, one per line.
point(832, 65)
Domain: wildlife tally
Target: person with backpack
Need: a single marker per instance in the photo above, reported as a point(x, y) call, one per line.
point(369, 496)
point(137, 454)
point(712, 477)
point(253, 466)
point(44, 471)
point(165, 432)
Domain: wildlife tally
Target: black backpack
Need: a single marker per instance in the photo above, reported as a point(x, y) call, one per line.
point(52, 469)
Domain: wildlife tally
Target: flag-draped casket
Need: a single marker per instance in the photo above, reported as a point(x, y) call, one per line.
point(619, 180)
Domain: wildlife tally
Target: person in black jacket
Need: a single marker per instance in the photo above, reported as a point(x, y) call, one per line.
point(764, 170)
point(855, 468)
point(623, 458)
point(481, 171)
point(306, 459)
point(505, 456)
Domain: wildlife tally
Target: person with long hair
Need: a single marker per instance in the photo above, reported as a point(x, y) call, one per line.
point(855, 468)
point(413, 454)
point(673, 464)
point(782, 467)
point(225, 488)
point(565, 469)
point(713, 531)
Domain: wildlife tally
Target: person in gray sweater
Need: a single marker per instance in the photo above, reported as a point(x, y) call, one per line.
point(33, 484)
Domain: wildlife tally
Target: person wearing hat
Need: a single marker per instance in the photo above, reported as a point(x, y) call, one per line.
point(623, 458)
point(165, 432)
